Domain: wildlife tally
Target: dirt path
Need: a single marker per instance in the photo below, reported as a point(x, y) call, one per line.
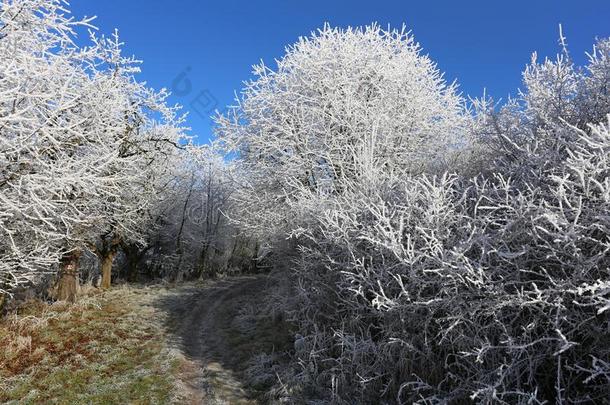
point(205, 324)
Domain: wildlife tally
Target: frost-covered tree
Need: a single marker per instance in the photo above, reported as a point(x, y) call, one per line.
point(336, 98)
point(192, 236)
point(213, 233)
point(80, 148)
point(40, 93)
point(143, 141)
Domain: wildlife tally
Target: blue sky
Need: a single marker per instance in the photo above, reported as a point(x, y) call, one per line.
point(205, 49)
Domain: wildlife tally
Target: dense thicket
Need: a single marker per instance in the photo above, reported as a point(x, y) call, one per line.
point(423, 282)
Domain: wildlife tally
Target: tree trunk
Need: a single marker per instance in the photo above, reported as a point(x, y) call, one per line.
point(68, 277)
point(107, 261)
point(203, 259)
point(253, 267)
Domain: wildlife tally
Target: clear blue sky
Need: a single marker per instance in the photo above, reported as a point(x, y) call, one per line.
point(482, 44)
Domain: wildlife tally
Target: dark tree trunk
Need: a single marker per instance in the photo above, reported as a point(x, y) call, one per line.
point(254, 260)
point(179, 249)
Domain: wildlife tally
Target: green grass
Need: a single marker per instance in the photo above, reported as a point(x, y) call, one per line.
point(105, 349)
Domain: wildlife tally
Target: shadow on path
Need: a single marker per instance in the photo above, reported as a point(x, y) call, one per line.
point(208, 325)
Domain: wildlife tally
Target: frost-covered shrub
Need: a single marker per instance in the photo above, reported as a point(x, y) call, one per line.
point(494, 288)
point(532, 132)
point(448, 289)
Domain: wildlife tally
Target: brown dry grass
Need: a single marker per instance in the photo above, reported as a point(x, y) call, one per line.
point(106, 348)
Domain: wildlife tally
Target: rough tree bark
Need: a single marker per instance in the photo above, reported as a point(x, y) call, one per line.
point(107, 260)
point(68, 283)
point(106, 253)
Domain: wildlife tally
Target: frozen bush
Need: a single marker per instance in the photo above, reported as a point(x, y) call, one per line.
point(447, 289)
point(415, 287)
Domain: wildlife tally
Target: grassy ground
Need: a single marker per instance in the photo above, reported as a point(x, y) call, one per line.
point(107, 348)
